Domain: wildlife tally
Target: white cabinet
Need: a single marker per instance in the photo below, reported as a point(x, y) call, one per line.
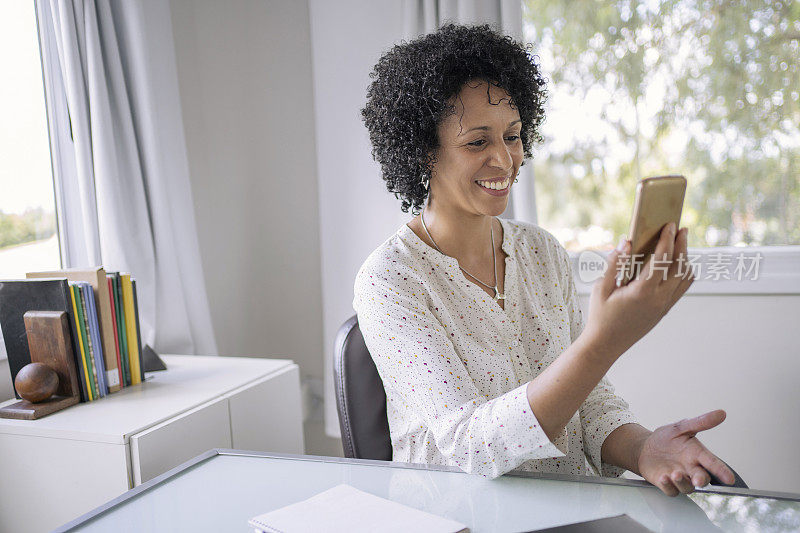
point(61, 466)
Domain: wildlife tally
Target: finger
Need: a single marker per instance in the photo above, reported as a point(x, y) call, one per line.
point(614, 263)
point(640, 266)
point(702, 422)
point(700, 477)
point(665, 484)
point(683, 246)
point(654, 273)
point(717, 467)
point(681, 289)
point(682, 482)
point(679, 267)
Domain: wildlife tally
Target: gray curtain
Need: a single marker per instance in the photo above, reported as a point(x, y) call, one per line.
point(119, 158)
point(424, 16)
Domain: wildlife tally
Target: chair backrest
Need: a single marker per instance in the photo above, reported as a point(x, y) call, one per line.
point(360, 397)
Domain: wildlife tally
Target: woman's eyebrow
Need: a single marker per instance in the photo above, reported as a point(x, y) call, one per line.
point(488, 127)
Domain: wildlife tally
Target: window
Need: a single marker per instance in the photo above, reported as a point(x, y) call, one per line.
point(28, 228)
point(706, 89)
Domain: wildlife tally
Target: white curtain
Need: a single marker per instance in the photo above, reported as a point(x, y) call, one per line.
point(424, 16)
point(119, 159)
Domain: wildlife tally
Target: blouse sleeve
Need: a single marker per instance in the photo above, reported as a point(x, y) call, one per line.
point(603, 411)
point(418, 363)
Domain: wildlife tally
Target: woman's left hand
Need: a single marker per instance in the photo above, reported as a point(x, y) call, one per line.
point(675, 461)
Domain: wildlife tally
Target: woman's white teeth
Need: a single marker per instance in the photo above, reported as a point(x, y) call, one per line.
point(496, 185)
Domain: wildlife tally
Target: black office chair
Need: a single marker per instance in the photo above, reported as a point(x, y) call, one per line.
point(361, 400)
point(360, 397)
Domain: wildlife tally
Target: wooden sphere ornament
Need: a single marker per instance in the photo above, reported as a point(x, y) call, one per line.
point(49, 383)
point(36, 382)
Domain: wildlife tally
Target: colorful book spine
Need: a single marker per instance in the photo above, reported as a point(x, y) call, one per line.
point(84, 344)
point(93, 324)
point(116, 335)
point(130, 330)
point(123, 341)
point(79, 359)
point(96, 277)
point(73, 325)
point(138, 332)
point(88, 342)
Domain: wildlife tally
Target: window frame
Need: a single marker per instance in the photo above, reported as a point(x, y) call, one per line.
point(59, 128)
point(779, 272)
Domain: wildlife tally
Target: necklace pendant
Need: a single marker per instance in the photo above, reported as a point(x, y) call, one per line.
point(499, 295)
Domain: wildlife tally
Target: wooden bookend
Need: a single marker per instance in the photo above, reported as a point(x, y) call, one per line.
point(50, 343)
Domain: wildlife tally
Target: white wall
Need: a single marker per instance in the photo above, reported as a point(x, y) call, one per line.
point(738, 353)
point(358, 213)
point(245, 79)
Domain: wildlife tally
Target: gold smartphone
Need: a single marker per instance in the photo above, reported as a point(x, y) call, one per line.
point(659, 200)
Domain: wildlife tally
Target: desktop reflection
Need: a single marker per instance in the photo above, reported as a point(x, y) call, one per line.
point(746, 513)
point(530, 501)
point(221, 490)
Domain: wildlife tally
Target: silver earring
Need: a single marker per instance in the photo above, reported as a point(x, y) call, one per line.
point(425, 183)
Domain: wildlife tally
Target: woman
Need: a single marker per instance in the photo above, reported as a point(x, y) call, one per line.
point(473, 321)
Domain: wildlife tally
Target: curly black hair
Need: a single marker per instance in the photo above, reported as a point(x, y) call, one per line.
point(411, 88)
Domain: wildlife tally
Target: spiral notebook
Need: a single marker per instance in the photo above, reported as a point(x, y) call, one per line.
point(345, 509)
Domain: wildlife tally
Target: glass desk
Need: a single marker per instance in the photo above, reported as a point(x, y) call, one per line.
point(222, 489)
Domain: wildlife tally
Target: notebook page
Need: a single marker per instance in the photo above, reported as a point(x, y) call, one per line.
point(345, 509)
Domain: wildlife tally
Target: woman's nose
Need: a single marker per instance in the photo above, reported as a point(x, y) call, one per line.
point(501, 156)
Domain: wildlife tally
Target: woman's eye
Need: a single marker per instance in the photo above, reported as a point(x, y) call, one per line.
point(480, 142)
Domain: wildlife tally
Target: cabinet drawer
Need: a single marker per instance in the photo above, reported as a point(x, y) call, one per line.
point(266, 416)
point(170, 443)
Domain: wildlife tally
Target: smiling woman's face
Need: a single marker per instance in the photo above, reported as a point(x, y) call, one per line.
point(480, 142)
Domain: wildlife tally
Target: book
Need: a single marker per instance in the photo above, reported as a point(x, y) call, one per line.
point(138, 332)
point(94, 338)
point(123, 345)
point(83, 372)
point(19, 296)
point(96, 277)
point(83, 363)
point(86, 353)
point(116, 336)
point(345, 509)
point(130, 329)
point(88, 341)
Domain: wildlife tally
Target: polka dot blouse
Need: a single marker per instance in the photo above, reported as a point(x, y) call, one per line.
point(455, 365)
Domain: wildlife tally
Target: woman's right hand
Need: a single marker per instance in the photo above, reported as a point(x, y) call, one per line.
point(620, 316)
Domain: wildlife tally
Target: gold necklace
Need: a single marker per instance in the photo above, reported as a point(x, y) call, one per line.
point(497, 294)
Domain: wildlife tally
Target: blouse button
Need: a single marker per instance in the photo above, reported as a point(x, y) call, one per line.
point(515, 343)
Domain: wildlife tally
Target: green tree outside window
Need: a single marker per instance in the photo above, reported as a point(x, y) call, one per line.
point(707, 89)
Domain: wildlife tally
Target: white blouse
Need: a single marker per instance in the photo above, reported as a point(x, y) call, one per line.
point(455, 365)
